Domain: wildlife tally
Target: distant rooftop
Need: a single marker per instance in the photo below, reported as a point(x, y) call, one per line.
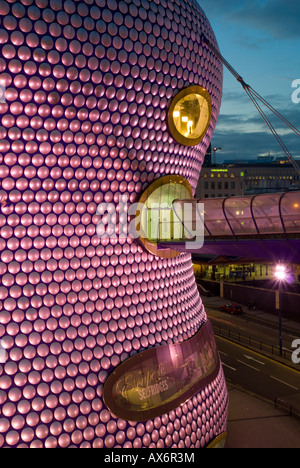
point(260, 161)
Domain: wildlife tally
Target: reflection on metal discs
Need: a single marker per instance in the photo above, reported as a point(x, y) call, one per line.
point(84, 121)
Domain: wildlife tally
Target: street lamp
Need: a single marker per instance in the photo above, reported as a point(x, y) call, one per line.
point(281, 276)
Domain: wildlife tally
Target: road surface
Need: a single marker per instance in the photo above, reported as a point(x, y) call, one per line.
point(258, 374)
point(254, 325)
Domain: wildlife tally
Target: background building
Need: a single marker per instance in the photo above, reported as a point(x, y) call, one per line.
point(221, 181)
point(239, 178)
point(270, 178)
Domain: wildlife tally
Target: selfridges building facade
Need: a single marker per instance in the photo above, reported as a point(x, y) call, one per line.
point(86, 89)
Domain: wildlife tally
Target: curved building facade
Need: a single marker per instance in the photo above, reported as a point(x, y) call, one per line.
point(86, 91)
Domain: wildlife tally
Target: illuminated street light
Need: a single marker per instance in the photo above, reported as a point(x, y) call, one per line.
point(281, 275)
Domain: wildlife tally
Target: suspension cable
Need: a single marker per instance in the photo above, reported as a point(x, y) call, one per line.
point(273, 131)
point(254, 97)
point(271, 108)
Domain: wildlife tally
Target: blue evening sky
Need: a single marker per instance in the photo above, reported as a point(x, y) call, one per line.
point(261, 40)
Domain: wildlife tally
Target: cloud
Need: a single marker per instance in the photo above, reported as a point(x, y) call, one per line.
point(261, 39)
point(246, 146)
point(276, 17)
point(247, 136)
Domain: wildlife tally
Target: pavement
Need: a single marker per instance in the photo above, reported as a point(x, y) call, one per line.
point(255, 423)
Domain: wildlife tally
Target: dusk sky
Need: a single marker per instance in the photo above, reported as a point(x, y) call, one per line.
point(261, 40)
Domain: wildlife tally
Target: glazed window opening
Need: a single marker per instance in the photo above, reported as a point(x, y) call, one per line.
point(189, 115)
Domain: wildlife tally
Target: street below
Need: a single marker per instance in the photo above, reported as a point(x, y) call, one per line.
point(258, 374)
point(250, 369)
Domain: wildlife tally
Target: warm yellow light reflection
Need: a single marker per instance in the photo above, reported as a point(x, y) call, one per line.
point(190, 115)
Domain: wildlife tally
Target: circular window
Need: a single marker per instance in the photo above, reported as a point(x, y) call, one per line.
point(189, 115)
point(156, 222)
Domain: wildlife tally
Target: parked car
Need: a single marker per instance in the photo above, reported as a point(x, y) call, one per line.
point(232, 309)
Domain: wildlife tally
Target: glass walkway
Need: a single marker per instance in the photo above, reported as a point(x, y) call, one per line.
point(257, 215)
point(266, 226)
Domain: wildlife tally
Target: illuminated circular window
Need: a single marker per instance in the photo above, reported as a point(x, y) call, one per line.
point(189, 115)
point(156, 221)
